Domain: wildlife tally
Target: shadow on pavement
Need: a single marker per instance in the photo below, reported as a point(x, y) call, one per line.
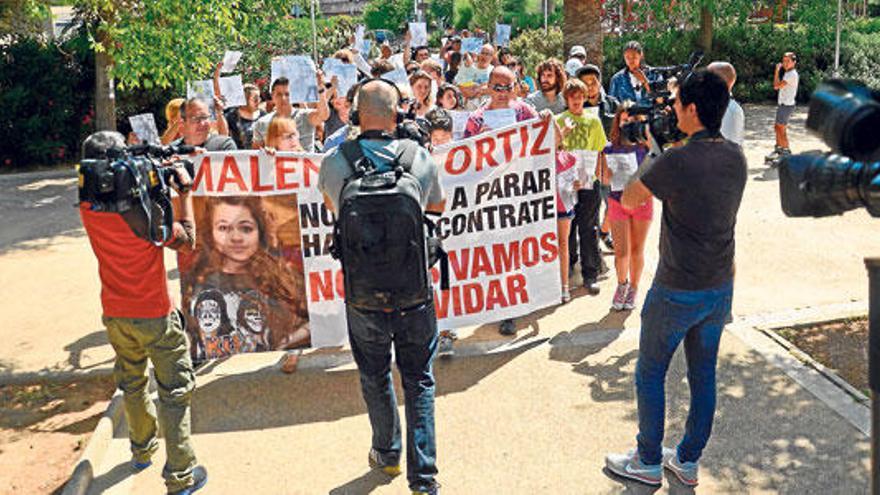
point(111, 478)
point(37, 208)
point(564, 345)
point(269, 399)
point(95, 339)
point(769, 434)
point(365, 483)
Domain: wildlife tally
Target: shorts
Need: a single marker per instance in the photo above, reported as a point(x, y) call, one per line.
point(617, 213)
point(562, 215)
point(783, 114)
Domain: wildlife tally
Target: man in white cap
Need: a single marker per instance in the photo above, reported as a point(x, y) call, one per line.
point(577, 57)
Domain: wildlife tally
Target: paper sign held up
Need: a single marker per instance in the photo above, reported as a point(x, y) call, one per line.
point(144, 125)
point(230, 60)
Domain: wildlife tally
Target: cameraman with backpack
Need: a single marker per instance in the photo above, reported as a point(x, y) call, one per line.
point(380, 187)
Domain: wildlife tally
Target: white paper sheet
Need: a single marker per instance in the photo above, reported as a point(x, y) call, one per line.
point(346, 74)
point(230, 60)
point(419, 34)
point(233, 91)
point(502, 34)
point(623, 166)
point(496, 119)
point(144, 125)
point(301, 72)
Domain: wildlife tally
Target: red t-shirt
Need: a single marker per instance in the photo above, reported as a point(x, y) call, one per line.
point(132, 270)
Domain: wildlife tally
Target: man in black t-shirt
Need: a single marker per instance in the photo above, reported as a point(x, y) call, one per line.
point(701, 186)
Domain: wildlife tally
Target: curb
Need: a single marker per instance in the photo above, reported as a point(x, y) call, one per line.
point(827, 373)
point(54, 376)
point(93, 455)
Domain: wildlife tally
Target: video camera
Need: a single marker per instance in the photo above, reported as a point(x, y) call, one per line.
point(846, 115)
point(136, 183)
point(657, 105)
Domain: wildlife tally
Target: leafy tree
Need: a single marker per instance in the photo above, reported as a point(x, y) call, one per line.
point(487, 13)
point(22, 18)
point(387, 14)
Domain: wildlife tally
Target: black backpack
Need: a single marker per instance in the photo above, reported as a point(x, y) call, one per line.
point(382, 237)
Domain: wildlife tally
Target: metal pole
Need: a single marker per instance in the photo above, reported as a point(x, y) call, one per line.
point(314, 35)
point(837, 42)
point(873, 265)
point(545, 15)
point(416, 9)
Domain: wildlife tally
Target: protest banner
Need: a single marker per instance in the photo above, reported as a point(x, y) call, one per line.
point(144, 125)
point(262, 277)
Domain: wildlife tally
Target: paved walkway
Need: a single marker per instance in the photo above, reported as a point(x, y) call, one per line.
point(535, 420)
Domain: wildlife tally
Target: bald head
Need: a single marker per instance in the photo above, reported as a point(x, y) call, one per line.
point(377, 106)
point(726, 71)
point(501, 75)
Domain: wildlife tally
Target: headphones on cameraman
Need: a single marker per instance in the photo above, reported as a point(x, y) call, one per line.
point(354, 115)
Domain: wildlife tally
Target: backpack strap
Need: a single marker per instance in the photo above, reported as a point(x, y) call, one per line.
point(406, 154)
point(436, 253)
point(352, 152)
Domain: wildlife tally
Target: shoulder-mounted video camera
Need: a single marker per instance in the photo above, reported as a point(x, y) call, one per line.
point(136, 183)
point(656, 105)
point(846, 115)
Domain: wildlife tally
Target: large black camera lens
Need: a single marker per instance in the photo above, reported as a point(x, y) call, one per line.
point(817, 185)
point(846, 115)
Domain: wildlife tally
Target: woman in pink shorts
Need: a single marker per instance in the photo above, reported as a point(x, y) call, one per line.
point(629, 228)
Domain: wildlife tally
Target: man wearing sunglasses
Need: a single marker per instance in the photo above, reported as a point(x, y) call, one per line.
point(502, 95)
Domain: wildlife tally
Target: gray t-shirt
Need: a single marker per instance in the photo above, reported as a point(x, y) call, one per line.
point(335, 169)
point(701, 186)
point(540, 102)
point(215, 142)
point(300, 116)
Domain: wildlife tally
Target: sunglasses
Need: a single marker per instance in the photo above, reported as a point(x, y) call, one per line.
point(502, 88)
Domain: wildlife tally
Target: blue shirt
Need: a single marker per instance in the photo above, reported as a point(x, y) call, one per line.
point(621, 86)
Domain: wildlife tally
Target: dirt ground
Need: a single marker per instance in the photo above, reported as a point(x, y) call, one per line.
point(43, 429)
point(840, 346)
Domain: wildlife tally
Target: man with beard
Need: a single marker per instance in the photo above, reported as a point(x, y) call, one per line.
point(551, 78)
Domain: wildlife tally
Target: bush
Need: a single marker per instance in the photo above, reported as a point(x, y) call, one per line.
point(859, 58)
point(534, 45)
point(46, 94)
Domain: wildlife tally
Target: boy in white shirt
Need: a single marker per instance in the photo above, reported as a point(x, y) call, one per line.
point(785, 80)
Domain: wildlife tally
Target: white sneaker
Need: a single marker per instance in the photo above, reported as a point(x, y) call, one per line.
point(619, 301)
point(686, 472)
point(629, 302)
point(630, 466)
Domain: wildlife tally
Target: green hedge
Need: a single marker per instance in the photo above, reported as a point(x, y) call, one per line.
point(46, 95)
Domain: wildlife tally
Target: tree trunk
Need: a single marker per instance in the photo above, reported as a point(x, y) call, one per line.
point(583, 26)
point(706, 29)
point(105, 94)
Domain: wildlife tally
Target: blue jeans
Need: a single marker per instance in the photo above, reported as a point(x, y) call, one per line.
point(668, 317)
point(414, 335)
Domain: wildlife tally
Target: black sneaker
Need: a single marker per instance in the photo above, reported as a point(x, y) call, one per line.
point(592, 286)
point(607, 240)
point(507, 327)
point(200, 478)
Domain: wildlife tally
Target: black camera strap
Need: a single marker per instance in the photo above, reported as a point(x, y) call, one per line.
point(706, 135)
